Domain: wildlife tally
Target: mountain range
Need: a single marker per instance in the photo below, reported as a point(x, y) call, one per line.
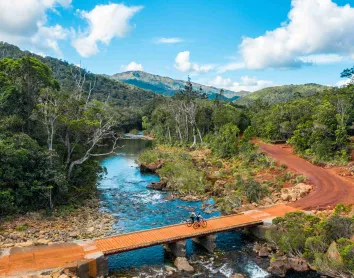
point(167, 86)
point(135, 88)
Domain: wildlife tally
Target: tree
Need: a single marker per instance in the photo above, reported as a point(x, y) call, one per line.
point(27, 77)
point(225, 141)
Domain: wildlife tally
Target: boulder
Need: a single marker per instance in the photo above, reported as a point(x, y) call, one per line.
point(56, 273)
point(263, 252)
point(279, 266)
point(160, 185)
point(170, 270)
point(182, 264)
point(25, 244)
point(333, 253)
point(285, 197)
point(294, 193)
point(238, 275)
point(298, 264)
point(256, 247)
point(73, 234)
point(42, 241)
point(151, 167)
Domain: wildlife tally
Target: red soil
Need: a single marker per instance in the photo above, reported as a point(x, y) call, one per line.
point(329, 189)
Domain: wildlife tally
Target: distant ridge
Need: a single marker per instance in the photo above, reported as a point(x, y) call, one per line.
point(279, 94)
point(167, 86)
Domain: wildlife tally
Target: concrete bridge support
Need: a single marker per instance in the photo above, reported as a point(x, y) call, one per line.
point(260, 231)
point(208, 242)
point(177, 249)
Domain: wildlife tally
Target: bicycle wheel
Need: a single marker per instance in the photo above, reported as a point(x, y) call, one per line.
point(189, 223)
point(196, 225)
point(204, 224)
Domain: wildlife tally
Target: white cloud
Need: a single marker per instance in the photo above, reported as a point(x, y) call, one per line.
point(246, 83)
point(23, 22)
point(322, 58)
point(132, 66)
point(343, 82)
point(231, 66)
point(313, 27)
point(105, 22)
point(169, 40)
point(183, 63)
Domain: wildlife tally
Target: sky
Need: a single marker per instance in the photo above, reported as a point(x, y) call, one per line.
point(235, 45)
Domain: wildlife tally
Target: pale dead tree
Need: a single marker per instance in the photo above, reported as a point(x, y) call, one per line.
point(92, 85)
point(177, 116)
point(48, 111)
point(103, 131)
point(107, 99)
point(106, 119)
point(342, 107)
point(79, 78)
point(191, 112)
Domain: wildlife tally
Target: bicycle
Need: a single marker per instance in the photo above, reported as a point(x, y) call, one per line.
point(201, 224)
point(189, 223)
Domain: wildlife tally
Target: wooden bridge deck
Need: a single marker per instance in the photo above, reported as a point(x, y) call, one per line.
point(17, 260)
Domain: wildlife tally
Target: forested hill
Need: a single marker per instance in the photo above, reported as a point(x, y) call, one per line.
point(168, 86)
point(119, 93)
point(281, 94)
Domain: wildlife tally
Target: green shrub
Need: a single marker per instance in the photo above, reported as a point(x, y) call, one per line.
point(337, 227)
point(230, 201)
point(149, 156)
point(251, 189)
point(184, 177)
point(134, 131)
point(22, 228)
point(300, 179)
point(224, 142)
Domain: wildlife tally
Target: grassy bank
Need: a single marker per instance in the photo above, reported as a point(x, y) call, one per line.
point(245, 180)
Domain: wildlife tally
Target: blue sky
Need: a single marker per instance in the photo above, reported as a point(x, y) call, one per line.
point(238, 45)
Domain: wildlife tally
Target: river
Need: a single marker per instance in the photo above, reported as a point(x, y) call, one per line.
point(123, 193)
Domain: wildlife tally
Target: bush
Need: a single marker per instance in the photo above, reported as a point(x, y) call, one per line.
point(149, 156)
point(251, 189)
point(22, 228)
point(224, 143)
point(134, 131)
point(337, 227)
point(230, 201)
point(184, 177)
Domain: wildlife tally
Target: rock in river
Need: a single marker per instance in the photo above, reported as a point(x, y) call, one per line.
point(160, 185)
point(182, 264)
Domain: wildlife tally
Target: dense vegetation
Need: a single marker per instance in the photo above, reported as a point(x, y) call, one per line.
point(317, 126)
point(326, 242)
point(131, 99)
point(50, 135)
point(199, 174)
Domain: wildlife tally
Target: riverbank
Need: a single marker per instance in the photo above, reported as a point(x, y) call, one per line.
point(244, 182)
point(64, 225)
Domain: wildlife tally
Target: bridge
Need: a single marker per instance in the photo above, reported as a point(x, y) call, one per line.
point(90, 257)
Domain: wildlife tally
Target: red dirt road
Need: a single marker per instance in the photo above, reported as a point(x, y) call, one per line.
point(329, 189)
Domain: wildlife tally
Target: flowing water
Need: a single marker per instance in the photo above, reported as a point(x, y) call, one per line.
point(124, 194)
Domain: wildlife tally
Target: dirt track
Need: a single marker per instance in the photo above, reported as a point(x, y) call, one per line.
point(329, 189)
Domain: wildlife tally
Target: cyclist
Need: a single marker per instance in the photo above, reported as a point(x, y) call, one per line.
point(192, 216)
point(199, 217)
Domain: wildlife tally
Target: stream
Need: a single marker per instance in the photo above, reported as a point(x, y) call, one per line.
point(123, 193)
